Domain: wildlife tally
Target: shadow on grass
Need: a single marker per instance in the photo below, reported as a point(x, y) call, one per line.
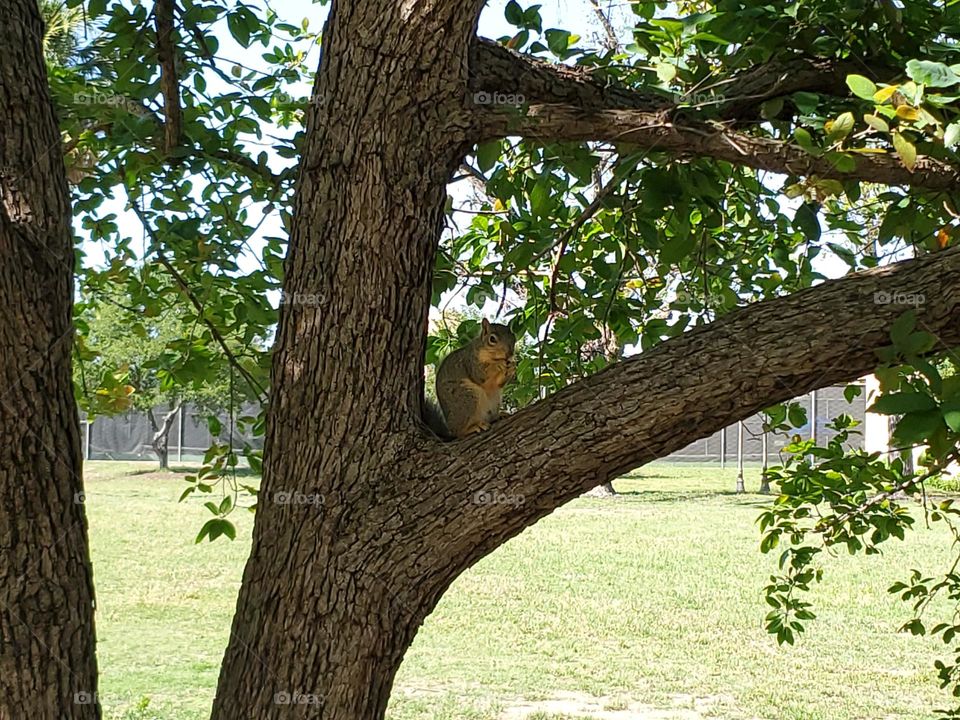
point(655, 496)
point(179, 470)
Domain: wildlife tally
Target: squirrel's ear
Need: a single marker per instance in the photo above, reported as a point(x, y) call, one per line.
point(485, 326)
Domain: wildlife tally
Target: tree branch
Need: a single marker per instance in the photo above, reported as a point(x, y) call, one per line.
point(656, 131)
point(495, 68)
point(169, 82)
point(685, 389)
point(195, 301)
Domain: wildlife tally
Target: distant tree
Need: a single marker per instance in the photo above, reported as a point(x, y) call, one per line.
point(61, 37)
point(153, 365)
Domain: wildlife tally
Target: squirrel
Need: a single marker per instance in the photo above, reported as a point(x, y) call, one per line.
point(470, 383)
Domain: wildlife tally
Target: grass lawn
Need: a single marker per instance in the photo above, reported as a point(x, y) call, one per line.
point(647, 606)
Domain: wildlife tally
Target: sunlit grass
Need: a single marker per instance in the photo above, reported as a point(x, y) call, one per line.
point(651, 600)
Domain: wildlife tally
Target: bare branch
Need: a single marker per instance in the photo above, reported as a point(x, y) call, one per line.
point(494, 68)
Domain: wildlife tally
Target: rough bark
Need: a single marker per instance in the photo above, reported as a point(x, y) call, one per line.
point(658, 131)
point(326, 611)
point(47, 662)
point(495, 68)
point(163, 11)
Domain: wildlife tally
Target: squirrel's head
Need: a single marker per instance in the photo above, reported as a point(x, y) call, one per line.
point(497, 340)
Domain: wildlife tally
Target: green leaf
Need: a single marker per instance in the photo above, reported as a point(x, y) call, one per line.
point(805, 140)
point(861, 87)
point(952, 418)
point(805, 220)
point(852, 391)
point(513, 13)
point(539, 197)
point(797, 415)
point(901, 403)
point(806, 102)
point(558, 41)
point(666, 71)
point(212, 529)
point(487, 154)
point(678, 248)
point(917, 427)
point(902, 328)
point(931, 74)
point(951, 134)
point(237, 22)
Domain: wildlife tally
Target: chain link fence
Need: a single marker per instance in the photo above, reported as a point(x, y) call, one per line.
point(128, 436)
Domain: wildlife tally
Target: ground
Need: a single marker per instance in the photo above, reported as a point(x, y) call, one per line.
point(643, 607)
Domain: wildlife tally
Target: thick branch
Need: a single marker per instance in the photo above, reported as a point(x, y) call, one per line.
point(169, 82)
point(658, 132)
point(495, 68)
point(685, 389)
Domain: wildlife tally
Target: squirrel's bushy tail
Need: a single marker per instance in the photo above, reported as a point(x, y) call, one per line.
point(433, 417)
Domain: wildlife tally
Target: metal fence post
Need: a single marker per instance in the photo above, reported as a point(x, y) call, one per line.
point(180, 434)
point(740, 485)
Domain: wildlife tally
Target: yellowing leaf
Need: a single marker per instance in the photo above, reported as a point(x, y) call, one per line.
point(943, 237)
point(906, 150)
point(906, 112)
point(884, 94)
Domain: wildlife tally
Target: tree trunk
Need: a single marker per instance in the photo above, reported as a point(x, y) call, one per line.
point(47, 662)
point(160, 441)
point(326, 608)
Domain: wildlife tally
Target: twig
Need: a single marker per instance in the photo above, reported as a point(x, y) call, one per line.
point(181, 281)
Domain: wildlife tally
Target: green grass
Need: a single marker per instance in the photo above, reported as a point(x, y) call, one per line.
point(649, 601)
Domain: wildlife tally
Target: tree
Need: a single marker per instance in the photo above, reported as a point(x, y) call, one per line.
point(683, 251)
point(149, 364)
point(61, 28)
point(47, 664)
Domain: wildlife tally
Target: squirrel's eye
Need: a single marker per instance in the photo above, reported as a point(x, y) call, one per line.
point(493, 339)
